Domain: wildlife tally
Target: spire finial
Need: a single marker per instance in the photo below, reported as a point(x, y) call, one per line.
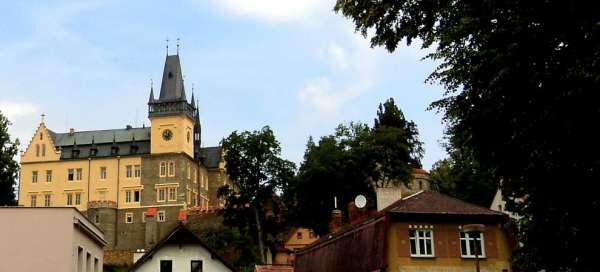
point(44, 115)
point(167, 46)
point(178, 46)
point(151, 84)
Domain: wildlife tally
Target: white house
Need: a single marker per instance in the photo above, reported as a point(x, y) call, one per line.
point(181, 250)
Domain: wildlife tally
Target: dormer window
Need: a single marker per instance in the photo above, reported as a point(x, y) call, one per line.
point(93, 151)
point(114, 150)
point(133, 149)
point(75, 153)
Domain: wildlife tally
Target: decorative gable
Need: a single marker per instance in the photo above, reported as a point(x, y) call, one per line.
point(41, 147)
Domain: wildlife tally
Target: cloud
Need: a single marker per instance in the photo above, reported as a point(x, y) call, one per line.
point(338, 56)
point(275, 11)
point(13, 110)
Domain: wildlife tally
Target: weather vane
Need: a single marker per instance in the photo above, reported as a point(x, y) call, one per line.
point(43, 115)
point(177, 46)
point(167, 46)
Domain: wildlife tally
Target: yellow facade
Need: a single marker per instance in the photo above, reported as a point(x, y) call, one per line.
point(446, 249)
point(181, 129)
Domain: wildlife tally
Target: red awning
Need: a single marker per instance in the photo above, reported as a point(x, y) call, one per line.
point(151, 212)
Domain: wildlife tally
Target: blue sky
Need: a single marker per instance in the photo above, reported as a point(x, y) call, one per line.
point(294, 65)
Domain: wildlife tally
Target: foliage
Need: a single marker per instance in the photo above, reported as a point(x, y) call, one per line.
point(522, 81)
point(356, 159)
point(9, 168)
point(257, 172)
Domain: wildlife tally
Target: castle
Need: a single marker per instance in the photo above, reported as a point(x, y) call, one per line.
point(137, 183)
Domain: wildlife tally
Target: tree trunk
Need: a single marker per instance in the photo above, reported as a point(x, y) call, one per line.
point(261, 245)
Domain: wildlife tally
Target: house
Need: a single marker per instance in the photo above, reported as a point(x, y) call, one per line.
point(181, 250)
point(114, 175)
point(297, 238)
point(421, 232)
point(49, 239)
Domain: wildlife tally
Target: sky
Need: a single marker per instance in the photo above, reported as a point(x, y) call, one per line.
point(294, 65)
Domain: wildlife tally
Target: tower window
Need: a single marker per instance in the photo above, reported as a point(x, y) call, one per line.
point(170, 75)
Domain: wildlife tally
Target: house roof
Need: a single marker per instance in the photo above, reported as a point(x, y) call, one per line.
point(179, 235)
point(434, 203)
point(124, 135)
point(211, 156)
point(172, 88)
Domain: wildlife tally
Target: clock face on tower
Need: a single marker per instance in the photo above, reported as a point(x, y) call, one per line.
point(167, 134)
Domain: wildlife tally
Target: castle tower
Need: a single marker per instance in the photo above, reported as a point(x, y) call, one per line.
point(173, 119)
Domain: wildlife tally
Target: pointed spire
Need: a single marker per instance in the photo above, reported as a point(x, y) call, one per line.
point(178, 46)
point(193, 102)
point(114, 138)
point(151, 99)
point(74, 142)
point(93, 141)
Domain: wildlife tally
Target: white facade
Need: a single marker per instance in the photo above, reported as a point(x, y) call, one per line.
point(181, 257)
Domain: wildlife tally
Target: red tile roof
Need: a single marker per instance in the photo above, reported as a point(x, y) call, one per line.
point(151, 211)
point(428, 202)
point(420, 171)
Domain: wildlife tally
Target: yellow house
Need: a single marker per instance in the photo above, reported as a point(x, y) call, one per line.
point(115, 175)
point(422, 232)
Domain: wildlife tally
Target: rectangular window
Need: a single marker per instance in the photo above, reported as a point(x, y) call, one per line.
point(48, 175)
point(161, 194)
point(77, 198)
point(189, 172)
point(138, 171)
point(172, 194)
point(136, 196)
point(33, 200)
point(171, 169)
point(166, 266)
point(103, 172)
point(34, 176)
point(421, 242)
point(71, 174)
point(47, 200)
point(97, 219)
point(160, 216)
point(163, 169)
point(196, 266)
point(128, 171)
point(69, 199)
point(128, 196)
point(470, 244)
point(43, 150)
point(37, 150)
point(128, 218)
point(79, 173)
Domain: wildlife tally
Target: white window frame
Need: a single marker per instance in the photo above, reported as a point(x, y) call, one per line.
point(79, 173)
point(48, 175)
point(128, 171)
point(128, 196)
point(163, 169)
point(137, 170)
point(33, 200)
point(71, 174)
point(69, 199)
point(164, 196)
point(467, 239)
point(34, 176)
point(171, 169)
point(158, 215)
point(103, 172)
point(196, 259)
point(128, 216)
point(420, 235)
point(169, 189)
point(78, 198)
point(47, 200)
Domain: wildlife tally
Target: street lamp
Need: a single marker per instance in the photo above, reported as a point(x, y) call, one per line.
point(475, 230)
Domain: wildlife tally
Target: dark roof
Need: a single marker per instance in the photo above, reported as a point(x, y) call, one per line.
point(101, 136)
point(211, 156)
point(171, 88)
point(179, 235)
point(433, 203)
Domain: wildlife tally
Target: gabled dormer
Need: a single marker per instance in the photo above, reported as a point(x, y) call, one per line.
point(41, 147)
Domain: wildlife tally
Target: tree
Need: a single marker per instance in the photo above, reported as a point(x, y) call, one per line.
point(521, 80)
point(354, 160)
point(395, 146)
point(9, 168)
point(257, 173)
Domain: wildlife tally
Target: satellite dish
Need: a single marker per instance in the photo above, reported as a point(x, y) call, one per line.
point(360, 201)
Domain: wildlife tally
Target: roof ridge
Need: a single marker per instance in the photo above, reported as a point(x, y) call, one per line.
point(109, 129)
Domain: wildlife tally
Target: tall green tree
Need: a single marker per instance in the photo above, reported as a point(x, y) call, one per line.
point(354, 160)
point(257, 173)
point(522, 83)
point(394, 145)
point(9, 168)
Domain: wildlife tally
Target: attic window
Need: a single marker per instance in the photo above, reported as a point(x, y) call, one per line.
point(114, 150)
point(170, 75)
point(75, 153)
point(93, 152)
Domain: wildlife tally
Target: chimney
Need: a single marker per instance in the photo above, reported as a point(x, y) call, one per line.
point(128, 127)
point(356, 214)
point(336, 221)
point(71, 131)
